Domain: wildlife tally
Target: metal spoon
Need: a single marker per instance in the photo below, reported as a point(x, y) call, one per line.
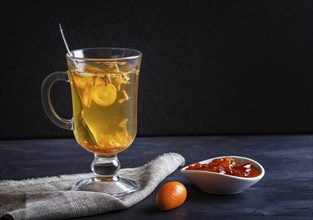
point(66, 45)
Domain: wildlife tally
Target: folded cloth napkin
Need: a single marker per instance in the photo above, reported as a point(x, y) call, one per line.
point(51, 198)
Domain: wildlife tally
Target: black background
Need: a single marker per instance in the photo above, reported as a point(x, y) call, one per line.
point(209, 67)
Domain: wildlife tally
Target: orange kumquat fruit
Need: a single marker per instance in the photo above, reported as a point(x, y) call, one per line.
point(171, 195)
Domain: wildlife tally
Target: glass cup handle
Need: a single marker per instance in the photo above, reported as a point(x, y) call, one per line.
point(46, 100)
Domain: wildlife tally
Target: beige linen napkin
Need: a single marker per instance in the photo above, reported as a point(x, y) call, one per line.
point(51, 198)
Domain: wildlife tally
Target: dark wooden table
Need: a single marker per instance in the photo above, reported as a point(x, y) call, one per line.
point(285, 192)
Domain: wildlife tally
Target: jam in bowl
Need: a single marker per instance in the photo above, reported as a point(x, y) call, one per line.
point(224, 175)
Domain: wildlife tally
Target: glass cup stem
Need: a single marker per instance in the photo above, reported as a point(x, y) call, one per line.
point(106, 178)
point(106, 167)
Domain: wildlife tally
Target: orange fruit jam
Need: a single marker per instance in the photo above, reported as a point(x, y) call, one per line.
point(228, 166)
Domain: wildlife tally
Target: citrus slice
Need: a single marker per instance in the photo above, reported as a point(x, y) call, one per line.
point(82, 81)
point(104, 95)
point(99, 81)
point(93, 69)
point(87, 98)
point(123, 123)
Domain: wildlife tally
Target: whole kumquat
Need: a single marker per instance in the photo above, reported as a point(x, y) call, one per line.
point(171, 195)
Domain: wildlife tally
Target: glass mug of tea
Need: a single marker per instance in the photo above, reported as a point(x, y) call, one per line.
point(104, 89)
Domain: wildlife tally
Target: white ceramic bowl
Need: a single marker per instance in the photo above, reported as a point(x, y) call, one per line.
point(217, 183)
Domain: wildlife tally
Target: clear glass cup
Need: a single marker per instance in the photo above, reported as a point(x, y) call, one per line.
point(104, 88)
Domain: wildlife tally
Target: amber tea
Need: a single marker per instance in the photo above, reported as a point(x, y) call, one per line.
point(104, 106)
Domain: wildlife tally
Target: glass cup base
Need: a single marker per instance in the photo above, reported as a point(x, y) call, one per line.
point(116, 186)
